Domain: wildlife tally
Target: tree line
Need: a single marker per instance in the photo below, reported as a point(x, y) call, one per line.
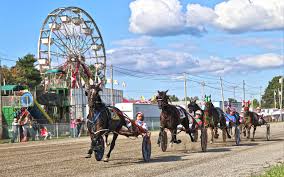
point(24, 72)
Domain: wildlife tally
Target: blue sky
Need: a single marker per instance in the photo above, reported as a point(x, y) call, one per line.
point(207, 39)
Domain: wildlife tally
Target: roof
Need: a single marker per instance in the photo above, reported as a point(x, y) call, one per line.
point(54, 71)
point(12, 87)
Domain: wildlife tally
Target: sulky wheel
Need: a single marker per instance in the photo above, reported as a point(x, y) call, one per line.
point(99, 148)
point(268, 132)
point(203, 139)
point(237, 135)
point(164, 141)
point(146, 148)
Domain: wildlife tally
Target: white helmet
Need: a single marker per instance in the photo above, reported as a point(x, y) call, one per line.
point(198, 112)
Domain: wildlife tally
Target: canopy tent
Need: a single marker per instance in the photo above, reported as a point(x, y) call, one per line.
point(12, 87)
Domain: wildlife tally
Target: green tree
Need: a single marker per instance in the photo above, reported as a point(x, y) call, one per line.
point(255, 103)
point(191, 98)
point(25, 72)
point(7, 76)
point(173, 98)
point(268, 97)
point(232, 100)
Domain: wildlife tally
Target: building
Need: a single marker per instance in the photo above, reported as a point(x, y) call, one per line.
point(151, 112)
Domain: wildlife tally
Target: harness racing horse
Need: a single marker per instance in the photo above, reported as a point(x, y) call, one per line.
point(100, 121)
point(251, 119)
point(170, 118)
point(213, 117)
point(192, 108)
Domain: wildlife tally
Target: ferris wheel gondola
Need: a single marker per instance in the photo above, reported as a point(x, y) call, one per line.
point(70, 41)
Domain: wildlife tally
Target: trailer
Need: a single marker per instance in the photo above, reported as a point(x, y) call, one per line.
point(151, 112)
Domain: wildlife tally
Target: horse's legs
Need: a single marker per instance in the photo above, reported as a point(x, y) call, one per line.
point(244, 130)
point(216, 135)
point(254, 128)
point(248, 131)
point(111, 147)
point(160, 133)
point(190, 135)
point(90, 151)
point(225, 130)
point(106, 143)
point(212, 135)
point(175, 137)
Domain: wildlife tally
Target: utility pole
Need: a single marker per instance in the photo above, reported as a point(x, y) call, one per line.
point(1, 118)
point(252, 102)
point(202, 90)
point(281, 82)
point(279, 98)
point(274, 98)
point(234, 87)
point(260, 96)
point(222, 93)
point(111, 80)
point(244, 91)
point(185, 92)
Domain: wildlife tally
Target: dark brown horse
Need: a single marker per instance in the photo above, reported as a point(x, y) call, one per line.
point(100, 121)
point(192, 108)
point(214, 118)
point(170, 117)
point(251, 119)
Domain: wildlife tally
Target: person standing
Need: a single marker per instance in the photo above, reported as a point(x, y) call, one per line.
point(72, 128)
point(79, 123)
point(15, 130)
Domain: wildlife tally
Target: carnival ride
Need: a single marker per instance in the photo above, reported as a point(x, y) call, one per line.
point(71, 54)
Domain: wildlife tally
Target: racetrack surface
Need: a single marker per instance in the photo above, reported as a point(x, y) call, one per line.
point(66, 157)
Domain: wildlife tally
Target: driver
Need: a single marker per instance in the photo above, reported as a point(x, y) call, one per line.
point(231, 117)
point(140, 120)
point(260, 116)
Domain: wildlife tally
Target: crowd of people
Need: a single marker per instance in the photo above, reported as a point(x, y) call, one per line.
point(25, 128)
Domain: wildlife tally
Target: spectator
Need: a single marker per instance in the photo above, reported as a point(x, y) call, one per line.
point(15, 130)
point(23, 122)
point(79, 123)
point(72, 128)
point(44, 133)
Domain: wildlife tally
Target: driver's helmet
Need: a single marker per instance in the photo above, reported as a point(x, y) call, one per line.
point(258, 108)
point(233, 110)
point(198, 112)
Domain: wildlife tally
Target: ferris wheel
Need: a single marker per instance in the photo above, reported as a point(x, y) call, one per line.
point(70, 45)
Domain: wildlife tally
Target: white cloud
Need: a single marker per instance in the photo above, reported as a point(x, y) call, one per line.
point(165, 17)
point(269, 60)
point(138, 42)
point(158, 18)
point(154, 59)
point(241, 16)
point(150, 59)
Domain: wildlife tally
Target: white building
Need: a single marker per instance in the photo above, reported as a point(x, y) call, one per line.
point(151, 112)
point(79, 101)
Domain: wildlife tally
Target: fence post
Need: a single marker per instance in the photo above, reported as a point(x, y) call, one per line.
point(57, 130)
point(152, 123)
point(19, 135)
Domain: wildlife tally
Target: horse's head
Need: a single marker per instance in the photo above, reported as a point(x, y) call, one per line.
point(162, 98)
point(193, 106)
point(93, 95)
point(208, 103)
point(246, 105)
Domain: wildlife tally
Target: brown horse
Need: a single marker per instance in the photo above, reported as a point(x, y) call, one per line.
point(251, 119)
point(213, 117)
point(170, 117)
point(100, 120)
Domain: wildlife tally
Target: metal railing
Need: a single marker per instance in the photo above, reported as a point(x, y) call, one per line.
point(29, 132)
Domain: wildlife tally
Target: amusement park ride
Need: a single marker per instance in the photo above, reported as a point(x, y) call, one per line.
point(71, 54)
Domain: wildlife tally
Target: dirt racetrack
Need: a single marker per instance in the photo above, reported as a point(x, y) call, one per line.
point(66, 157)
